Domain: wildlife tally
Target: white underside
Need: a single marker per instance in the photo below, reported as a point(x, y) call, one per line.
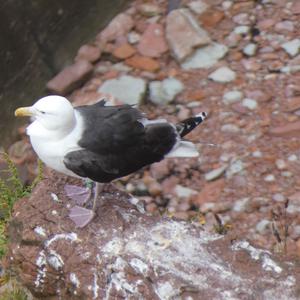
point(183, 149)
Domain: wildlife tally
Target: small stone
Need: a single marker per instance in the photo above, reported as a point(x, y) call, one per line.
point(241, 30)
point(210, 192)
point(212, 18)
point(241, 205)
point(143, 63)
point(88, 52)
point(124, 51)
point(230, 128)
point(160, 170)
point(293, 157)
point(295, 232)
point(233, 39)
point(265, 24)
point(184, 192)
point(292, 47)
point(184, 34)
point(236, 166)
point(149, 9)
point(198, 6)
point(249, 103)
point(152, 42)
point(119, 26)
point(133, 37)
point(182, 215)
point(241, 19)
point(70, 77)
point(250, 49)
point(205, 57)
point(223, 75)
point(215, 174)
point(285, 26)
point(295, 8)
point(226, 5)
point(257, 154)
point(127, 89)
point(278, 197)
point(289, 130)
point(151, 207)
point(280, 164)
point(232, 97)
point(163, 92)
point(269, 178)
point(263, 226)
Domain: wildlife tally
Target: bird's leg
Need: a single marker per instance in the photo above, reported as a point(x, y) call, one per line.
point(98, 191)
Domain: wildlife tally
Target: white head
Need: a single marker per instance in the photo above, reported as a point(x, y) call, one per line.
point(52, 112)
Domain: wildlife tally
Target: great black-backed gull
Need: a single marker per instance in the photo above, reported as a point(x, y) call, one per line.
point(103, 142)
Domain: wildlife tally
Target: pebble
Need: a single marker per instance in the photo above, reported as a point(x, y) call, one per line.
point(291, 129)
point(184, 34)
point(295, 232)
point(263, 226)
point(241, 19)
point(128, 89)
point(292, 47)
point(269, 178)
point(285, 26)
point(198, 7)
point(124, 51)
point(230, 128)
point(257, 154)
point(235, 167)
point(278, 197)
point(280, 164)
point(250, 49)
point(184, 192)
point(222, 75)
point(241, 205)
point(133, 37)
point(232, 97)
point(90, 53)
point(215, 174)
point(149, 9)
point(226, 5)
point(205, 57)
point(143, 63)
point(249, 103)
point(241, 30)
point(152, 42)
point(163, 92)
point(293, 157)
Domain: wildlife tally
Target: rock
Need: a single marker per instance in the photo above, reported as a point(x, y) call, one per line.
point(149, 9)
point(241, 19)
point(278, 197)
point(295, 8)
point(210, 192)
point(291, 129)
point(269, 178)
point(263, 226)
point(292, 47)
point(249, 103)
point(143, 63)
point(90, 53)
point(280, 164)
point(184, 192)
point(119, 26)
point(241, 30)
point(70, 78)
point(205, 57)
point(230, 128)
point(241, 205)
point(124, 51)
point(285, 26)
point(235, 167)
point(133, 37)
point(232, 97)
point(152, 42)
point(198, 6)
point(54, 259)
point(184, 34)
point(233, 39)
point(295, 232)
point(211, 18)
point(163, 92)
point(293, 157)
point(222, 75)
point(250, 49)
point(128, 89)
point(215, 174)
point(293, 104)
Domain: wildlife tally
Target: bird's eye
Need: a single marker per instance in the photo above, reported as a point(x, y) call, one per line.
point(43, 112)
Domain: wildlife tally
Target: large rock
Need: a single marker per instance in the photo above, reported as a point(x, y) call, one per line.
point(127, 254)
point(184, 34)
point(70, 77)
point(127, 89)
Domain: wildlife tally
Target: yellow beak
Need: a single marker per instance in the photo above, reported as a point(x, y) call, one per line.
point(24, 112)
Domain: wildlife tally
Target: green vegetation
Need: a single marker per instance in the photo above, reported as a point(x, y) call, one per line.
point(13, 291)
point(11, 190)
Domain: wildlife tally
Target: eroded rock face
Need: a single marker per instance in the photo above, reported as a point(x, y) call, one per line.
point(125, 253)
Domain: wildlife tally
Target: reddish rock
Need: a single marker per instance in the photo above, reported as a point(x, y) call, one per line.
point(295, 9)
point(153, 42)
point(88, 52)
point(210, 192)
point(119, 26)
point(211, 18)
point(195, 95)
point(143, 63)
point(289, 130)
point(124, 51)
point(293, 104)
point(265, 24)
point(184, 34)
point(70, 77)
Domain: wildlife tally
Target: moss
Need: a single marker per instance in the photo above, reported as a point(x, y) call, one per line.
point(11, 190)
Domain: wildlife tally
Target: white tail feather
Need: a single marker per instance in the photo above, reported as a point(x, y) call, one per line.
point(183, 149)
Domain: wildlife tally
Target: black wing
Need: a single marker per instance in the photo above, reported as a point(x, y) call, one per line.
point(115, 143)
